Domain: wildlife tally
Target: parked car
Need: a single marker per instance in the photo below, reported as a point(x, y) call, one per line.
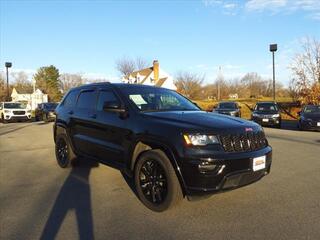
point(267, 114)
point(45, 112)
point(228, 108)
point(168, 146)
point(310, 118)
point(14, 111)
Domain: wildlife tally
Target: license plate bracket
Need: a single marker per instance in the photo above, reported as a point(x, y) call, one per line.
point(259, 163)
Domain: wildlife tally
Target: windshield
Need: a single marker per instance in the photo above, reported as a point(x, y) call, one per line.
point(156, 99)
point(50, 106)
point(227, 105)
point(14, 105)
point(312, 109)
point(266, 107)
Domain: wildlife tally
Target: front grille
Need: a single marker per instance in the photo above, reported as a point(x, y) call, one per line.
point(19, 112)
point(243, 142)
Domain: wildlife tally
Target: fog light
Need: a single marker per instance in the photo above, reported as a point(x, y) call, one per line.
point(206, 166)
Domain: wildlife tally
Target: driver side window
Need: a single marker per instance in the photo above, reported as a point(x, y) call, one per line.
point(106, 96)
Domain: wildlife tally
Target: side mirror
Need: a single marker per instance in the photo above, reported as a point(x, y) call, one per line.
point(113, 107)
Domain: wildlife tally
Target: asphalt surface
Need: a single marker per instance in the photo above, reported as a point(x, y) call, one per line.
point(39, 200)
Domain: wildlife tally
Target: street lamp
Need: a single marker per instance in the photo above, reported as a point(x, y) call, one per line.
point(273, 48)
point(8, 65)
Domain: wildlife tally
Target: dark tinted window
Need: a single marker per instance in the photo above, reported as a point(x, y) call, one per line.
point(70, 99)
point(228, 105)
point(50, 106)
point(312, 109)
point(266, 107)
point(87, 100)
point(106, 96)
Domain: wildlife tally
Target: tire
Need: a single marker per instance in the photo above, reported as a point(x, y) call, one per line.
point(159, 189)
point(44, 117)
point(64, 155)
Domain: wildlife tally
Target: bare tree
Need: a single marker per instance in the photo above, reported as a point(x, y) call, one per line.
point(69, 80)
point(189, 84)
point(3, 92)
point(305, 69)
point(127, 65)
point(21, 82)
point(140, 63)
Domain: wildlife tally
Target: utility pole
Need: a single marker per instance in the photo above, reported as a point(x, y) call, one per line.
point(8, 65)
point(273, 49)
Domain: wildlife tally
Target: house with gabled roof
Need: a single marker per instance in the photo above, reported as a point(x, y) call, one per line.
point(153, 76)
point(31, 99)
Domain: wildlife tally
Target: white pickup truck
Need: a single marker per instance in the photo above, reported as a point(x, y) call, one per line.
point(14, 111)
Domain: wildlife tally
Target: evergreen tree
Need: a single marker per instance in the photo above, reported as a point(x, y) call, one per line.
point(47, 80)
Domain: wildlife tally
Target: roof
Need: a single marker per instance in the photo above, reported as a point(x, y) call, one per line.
point(160, 82)
point(144, 72)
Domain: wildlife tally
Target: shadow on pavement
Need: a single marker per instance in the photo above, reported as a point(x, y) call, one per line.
point(74, 195)
point(130, 182)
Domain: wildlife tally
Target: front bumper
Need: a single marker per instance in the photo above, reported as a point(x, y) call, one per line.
point(232, 170)
point(232, 114)
point(310, 125)
point(267, 121)
point(10, 117)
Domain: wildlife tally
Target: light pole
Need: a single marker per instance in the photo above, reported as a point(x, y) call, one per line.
point(273, 48)
point(8, 65)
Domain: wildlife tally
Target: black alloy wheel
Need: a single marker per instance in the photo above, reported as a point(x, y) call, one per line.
point(153, 181)
point(157, 185)
point(62, 152)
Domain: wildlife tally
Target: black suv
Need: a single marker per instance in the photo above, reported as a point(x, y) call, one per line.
point(162, 140)
point(45, 111)
point(267, 114)
point(228, 108)
point(309, 118)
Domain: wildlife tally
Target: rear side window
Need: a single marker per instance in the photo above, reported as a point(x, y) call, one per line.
point(70, 99)
point(87, 100)
point(106, 96)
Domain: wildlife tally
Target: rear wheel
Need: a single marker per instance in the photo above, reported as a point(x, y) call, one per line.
point(64, 154)
point(44, 117)
point(156, 182)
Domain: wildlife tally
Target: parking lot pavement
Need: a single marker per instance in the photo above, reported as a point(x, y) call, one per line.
point(39, 200)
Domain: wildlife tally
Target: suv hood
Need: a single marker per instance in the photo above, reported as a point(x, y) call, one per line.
point(313, 116)
point(16, 109)
point(205, 120)
point(226, 110)
point(266, 112)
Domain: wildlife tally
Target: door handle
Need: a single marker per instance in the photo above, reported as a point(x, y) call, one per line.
point(70, 112)
point(93, 115)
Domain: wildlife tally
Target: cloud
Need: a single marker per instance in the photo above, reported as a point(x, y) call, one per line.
point(312, 7)
point(227, 7)
point(261, 5)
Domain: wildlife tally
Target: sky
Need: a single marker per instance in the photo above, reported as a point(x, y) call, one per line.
point(88, 37)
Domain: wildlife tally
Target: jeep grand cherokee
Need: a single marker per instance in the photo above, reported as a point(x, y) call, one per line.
point(168, 146)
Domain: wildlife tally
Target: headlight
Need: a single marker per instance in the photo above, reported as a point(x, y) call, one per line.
point(7, 111)
point(200, 139)
point(28, 111)
point(276, 115)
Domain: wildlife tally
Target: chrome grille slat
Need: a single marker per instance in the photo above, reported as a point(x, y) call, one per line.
point(243, 142)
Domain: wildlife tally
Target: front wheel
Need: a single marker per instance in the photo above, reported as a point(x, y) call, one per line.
point(156, 182)
point(64, 154)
